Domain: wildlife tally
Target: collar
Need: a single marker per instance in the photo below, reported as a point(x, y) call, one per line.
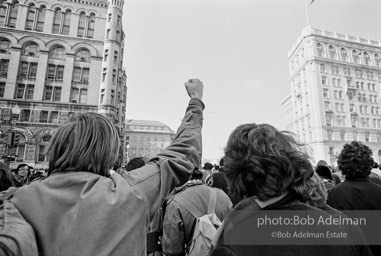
point(271, 201)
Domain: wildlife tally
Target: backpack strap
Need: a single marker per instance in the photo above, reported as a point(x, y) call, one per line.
point(212, 201)
point(8, 193)
point(190, 207)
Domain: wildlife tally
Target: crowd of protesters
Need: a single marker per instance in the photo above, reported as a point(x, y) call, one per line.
point(84, 205)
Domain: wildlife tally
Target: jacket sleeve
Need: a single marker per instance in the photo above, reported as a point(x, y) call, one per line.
point(174, 165)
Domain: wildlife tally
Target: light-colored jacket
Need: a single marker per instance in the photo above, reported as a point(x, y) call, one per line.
point(179, 223)
point(81, 213)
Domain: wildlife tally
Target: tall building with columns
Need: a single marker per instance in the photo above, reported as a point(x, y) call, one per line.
point(335, 92)
point(58, 58)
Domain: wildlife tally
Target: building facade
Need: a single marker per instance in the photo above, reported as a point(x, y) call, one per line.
point(335, 92)
point(146, 138)
point(58, 58)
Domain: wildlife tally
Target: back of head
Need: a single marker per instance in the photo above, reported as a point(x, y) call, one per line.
point(355, 160)
point(317, 195)
point(324, 172)
point(135, 163)
point(322, 162)
point(264, 162)
point(208, 166)
point(88, 142)
point(6, 179)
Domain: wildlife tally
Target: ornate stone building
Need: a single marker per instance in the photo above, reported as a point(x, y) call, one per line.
point(59, 58)
point(335, 92)
point(146, 138)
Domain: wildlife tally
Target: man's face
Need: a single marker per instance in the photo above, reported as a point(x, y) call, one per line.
point(23, 171)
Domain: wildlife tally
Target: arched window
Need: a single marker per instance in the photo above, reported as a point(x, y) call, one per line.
point(3, 13)
point(332, 52)
point(320, 50)
point(355, 56)
point(57, 21)
point(61, 22)
point(31, 49)
point(81, 25)
point(344, 54)
point(83, 55)
point(41, 18)
point(13, 14)
point(30, 17)
point(366, 58)
point(58, 52)
point(91, 26)
point(66, 22)
point(5, 45)
point(377, 60)
point(42, 146)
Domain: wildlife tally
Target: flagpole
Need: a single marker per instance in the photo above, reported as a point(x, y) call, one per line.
point(306, 7)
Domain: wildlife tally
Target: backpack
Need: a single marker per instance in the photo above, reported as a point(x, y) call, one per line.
point(17, 236)
point(205, 228)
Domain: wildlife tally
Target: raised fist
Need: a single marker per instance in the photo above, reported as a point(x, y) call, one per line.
point(195, 88)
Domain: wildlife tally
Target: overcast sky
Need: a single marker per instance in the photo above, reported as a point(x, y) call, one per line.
point(238, 48)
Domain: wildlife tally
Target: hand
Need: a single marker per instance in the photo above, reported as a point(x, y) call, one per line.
point(195, 88)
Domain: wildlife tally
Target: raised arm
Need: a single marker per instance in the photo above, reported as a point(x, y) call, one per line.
point(174, 165)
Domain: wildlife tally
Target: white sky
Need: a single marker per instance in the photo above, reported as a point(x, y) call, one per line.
point(238, 48)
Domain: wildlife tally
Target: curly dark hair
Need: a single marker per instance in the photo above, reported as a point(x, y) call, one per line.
point(264, 162)
point(355, 160)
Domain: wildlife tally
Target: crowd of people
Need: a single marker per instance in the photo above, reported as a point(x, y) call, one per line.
point(165, 205)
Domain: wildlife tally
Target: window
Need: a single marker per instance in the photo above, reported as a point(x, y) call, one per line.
point(28, 69)
point(83, 55)
point(61, 22)
point(58, 53)
point(115, 56)
point(5, 45)
point(41, 18)
point(377, 60)
point(322, 68)
point(22, 91)
point(102, 95)
point(52, 93)
point(355, 56)
point(91, 26)
point(55, 72)
point(325, 93)
point(3, 13)
point(83, 96)
point(25, 115)
point(350, 95)
point(81, 24)
point(354, 121)
point(30, 17)
point(108, 34)
point(320, 50)
point(53, 118)
point(43, 116)
point(31, 49)
point(74, 95)
point(13, 14)
point(332, 52)
point(366, 58)
point(324, 80)
point(2, 89)
point(338, 82)
point(352, 107)
point(81, 74)
point(109, 17)
point(328, 119)
point(112, 97)
point(334, 81)
point(4, 64)
point(343, 54)
point(29, 92)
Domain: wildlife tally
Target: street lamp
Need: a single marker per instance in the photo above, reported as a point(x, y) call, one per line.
point(15, 114)
point(128, 148)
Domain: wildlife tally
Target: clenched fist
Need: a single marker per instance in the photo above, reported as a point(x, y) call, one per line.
point(195, 88)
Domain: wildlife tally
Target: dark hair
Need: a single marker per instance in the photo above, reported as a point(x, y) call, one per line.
point(322, 162)
point(264, 162)
point(196, 175)
point(88, 142)
point(6, 178)
point(221, 163)
point(324, 172)
point(355, 160)
point(135, 163)
point(208, 166)
point(375, 165)
point(317, 195)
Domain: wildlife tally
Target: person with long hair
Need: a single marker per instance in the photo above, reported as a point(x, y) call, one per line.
point(268, 170)
point(84, 208)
